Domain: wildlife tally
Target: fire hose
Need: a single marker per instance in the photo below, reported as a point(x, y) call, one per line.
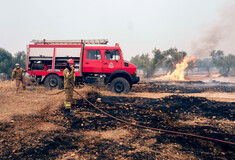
point(55, 93)
point(151, 128)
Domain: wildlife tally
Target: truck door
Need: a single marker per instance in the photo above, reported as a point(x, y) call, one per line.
point(92, 61)
point(112, 61)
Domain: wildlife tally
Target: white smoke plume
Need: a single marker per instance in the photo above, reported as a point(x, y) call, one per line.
point(217, 36)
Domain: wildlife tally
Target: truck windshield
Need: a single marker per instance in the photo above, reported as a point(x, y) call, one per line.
point(112, 55)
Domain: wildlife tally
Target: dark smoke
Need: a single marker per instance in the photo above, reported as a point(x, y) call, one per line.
point(218, 36)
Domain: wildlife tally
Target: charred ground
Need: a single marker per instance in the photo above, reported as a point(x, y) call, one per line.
point(92, 135)
point(184, 87)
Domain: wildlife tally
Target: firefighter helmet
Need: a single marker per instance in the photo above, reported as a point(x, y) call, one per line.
point(70, 61)
point(17, 64)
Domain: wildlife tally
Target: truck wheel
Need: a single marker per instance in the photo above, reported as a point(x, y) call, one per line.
point(120, 85)
point(53, 82)
point(131, 86)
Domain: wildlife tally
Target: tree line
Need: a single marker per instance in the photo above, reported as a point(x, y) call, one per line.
point(7, 61)
point(168, 59)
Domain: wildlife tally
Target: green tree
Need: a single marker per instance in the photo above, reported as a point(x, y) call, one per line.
point(172, 57)
point(148, 65)
point(168, 58)
point(137, 61)
point(158, 58)
point(142, 62)
point(228, 63)
point(224, 63)
point(191, 66)
point(155, 63)
point(205, 64)
point(198, 64)
point(20, 57)
point(217, 57)
point(5, 62)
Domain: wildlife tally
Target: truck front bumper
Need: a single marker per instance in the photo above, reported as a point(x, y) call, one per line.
point(135, 79)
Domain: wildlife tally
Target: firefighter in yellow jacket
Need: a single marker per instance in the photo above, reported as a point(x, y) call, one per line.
point(69, 82)
point(17, 73)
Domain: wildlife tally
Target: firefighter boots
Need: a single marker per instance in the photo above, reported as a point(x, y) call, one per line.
point(68, 113)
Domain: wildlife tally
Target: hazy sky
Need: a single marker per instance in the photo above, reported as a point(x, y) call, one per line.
point(137, 25)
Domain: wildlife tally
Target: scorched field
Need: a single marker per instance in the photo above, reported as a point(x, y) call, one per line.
point(33, 126)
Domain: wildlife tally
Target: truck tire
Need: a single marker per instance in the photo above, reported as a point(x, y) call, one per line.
point(131, 86)
point(120, 85)
point(53, 82)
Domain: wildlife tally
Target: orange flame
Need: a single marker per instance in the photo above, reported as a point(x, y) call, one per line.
point(179, 72)
point(215, 75)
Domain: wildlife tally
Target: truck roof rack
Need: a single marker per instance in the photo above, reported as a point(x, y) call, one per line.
point(64, 42)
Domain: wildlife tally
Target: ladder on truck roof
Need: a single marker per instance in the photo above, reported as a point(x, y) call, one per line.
point(71, 42)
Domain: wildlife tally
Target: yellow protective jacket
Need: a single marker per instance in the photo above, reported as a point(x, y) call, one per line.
point(17, 73)
point(69, 79)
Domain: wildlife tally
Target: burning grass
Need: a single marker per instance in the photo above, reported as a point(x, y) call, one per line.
point(179, 72)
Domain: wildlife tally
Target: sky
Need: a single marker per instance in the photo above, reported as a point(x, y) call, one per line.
point(137, 25)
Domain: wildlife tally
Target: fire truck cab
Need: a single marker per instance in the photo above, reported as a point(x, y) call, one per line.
point(94, 63)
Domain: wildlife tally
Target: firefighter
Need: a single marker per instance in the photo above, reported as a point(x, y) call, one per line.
point(18, 74)
point(69, 82)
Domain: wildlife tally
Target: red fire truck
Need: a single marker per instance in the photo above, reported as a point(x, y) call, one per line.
point(94, 63)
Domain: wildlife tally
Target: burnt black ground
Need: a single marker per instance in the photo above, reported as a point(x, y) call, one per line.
point(159, 113)
point(183, 87)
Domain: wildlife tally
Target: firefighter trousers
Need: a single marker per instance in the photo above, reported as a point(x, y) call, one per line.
point(68, 98)
point(18, 83)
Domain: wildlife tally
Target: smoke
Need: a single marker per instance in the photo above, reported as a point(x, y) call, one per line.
point(218, 36)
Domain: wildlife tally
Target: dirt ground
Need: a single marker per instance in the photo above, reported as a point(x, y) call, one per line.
point(32, 124)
